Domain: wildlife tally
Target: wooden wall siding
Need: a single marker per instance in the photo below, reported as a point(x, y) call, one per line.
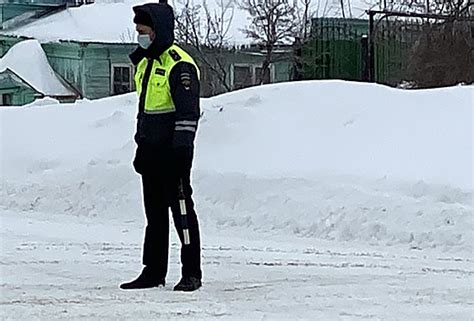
point(119, 55)
point(11, 10)
point(66, 60)
point(6, 43)
point(283, 70)
point(21, 94)
point(97, 78)
point(98, 61)
point(7, 11)
point(87, 66)
point(43, 3)
point(70, 69)
point(211, 86)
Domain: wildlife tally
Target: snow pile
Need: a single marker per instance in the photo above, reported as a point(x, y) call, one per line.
point(28, 60)
point(331, 160)
point(338, 127)
point(47, 101)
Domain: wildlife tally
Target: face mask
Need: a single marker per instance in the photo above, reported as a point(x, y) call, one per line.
point(144, 41)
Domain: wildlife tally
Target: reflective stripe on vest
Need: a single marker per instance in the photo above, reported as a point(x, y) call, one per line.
point(158, 96)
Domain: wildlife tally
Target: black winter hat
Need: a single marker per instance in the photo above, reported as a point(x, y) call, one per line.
point(143, 18)
point(161, 21)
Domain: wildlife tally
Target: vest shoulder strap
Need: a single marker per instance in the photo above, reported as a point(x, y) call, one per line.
point(174, 55)
point(178, 54)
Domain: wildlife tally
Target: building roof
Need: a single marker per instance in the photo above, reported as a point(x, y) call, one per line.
point(28, 61)
point(100, 22)
point(111, 21)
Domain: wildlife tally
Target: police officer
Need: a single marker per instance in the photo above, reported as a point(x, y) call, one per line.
point(167, 82)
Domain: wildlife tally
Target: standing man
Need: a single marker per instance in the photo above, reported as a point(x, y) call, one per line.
point(167, 82)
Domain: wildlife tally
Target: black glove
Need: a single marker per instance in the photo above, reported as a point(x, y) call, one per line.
point(148, 159)
point(140, 160)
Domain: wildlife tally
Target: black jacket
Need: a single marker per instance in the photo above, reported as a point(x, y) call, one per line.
point(160, 134)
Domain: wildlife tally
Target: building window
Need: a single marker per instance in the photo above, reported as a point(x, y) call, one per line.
point(242, 77)
point(246, 75)
point(121, 79)
point(7, 99)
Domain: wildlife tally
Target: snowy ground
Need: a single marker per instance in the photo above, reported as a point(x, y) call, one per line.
point(315, 203)
point(70, 269)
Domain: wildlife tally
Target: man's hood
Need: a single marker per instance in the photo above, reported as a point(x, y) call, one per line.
point(162, 17)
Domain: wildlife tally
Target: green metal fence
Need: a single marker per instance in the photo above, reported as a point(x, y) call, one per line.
point(393, 43)
point(338, 49)
point(333, 51)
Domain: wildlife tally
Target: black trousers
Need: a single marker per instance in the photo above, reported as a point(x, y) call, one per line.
point(160, 192)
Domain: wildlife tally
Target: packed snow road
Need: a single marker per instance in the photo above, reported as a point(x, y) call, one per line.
point(70, 268)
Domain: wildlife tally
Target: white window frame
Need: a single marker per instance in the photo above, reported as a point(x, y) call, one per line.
point(112, 74)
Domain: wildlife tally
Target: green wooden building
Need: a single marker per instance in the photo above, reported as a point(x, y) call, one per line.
point(242, 67)
point(88, 45)
point(25, 74)
point(94, 70)
point(14, 90)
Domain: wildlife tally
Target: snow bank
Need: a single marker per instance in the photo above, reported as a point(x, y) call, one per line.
point(334, 160)
point(343, 128)
point(28, 60)
point(43, 102)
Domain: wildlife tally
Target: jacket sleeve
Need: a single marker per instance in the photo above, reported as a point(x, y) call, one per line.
point(185, 87)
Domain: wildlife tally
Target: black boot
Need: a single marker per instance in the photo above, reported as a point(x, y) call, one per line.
point(147, 279)
point(188, 284)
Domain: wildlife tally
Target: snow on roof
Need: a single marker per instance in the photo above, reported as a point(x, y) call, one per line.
point(111, 21)
point(28, 60)
point(100, 22)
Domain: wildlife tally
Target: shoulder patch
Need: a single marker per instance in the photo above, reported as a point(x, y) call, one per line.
point(175, 55)
point(186, 80)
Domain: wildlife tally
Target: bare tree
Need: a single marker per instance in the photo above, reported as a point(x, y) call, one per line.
point(342, 9)
point(128, 36)
point(445, 7)
point(305, 14)
point(456, 8)
point(217, 26)
point(429, 63)
point(440, 35)
point(273, 22)
point(206, 31)
point(218, 22)
point(187, 19)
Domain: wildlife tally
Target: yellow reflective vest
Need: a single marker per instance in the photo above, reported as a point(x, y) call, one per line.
point(153, 75)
